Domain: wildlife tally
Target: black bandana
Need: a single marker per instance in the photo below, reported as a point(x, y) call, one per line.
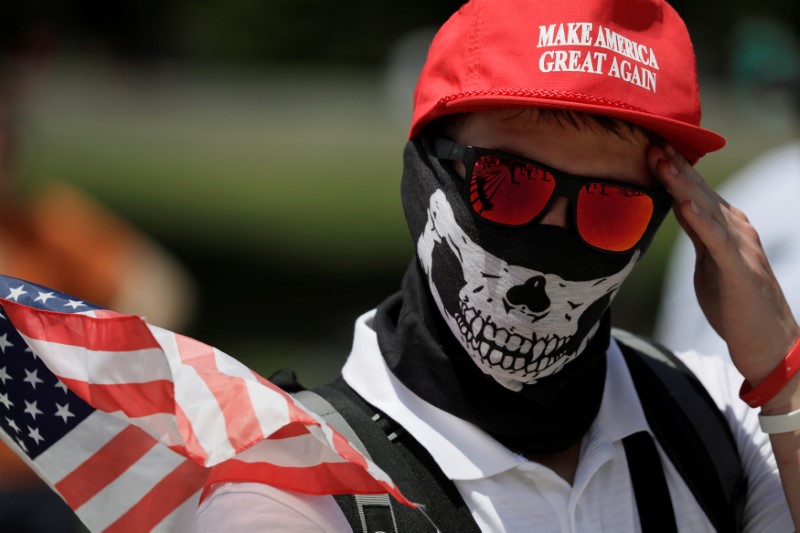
point(477, 288)
point(422, 353)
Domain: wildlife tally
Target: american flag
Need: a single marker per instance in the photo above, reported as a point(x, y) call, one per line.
point(131, 423)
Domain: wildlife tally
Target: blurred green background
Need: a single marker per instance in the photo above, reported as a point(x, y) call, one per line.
point(260, 142)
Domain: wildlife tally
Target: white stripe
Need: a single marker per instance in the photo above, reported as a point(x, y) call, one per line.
point(231, 366)
point(301, 451)
point(124, 492)
point(101, 367)
point(78, 445)
point(197, 402)
point(161, 426)
point(377, 473)
point(269, 404)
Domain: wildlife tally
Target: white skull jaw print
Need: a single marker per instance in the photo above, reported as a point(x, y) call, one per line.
point(517, 324)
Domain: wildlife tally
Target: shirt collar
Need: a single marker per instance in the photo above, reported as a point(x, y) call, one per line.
point(462, 450)
point(620, 411)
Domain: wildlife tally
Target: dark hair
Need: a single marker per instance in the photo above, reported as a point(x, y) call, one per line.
point(448, 126)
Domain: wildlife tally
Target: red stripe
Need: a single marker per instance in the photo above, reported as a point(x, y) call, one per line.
point(324, 478)
point(106, 465)
point(133, 399)
point(106, 313)
point(289, 431)
point(110, 334)
point(166, 496)
point(241, 422)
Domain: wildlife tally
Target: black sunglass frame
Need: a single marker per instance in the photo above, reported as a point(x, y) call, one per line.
point(566, 186)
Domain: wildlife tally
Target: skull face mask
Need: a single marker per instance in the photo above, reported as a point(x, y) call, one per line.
point(518, 324)
point(504, 327)
point(523, 302)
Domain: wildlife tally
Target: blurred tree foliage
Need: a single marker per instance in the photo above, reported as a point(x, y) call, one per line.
point(359, 31)
point(356, 32)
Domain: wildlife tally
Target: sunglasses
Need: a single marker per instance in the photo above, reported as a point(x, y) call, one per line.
point(508, 190)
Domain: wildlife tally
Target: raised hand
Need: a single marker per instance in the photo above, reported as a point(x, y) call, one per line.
point(734, 282)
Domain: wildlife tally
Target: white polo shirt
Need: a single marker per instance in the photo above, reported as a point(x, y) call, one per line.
point(506, 492)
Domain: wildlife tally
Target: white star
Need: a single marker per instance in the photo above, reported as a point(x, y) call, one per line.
point(60, 385)
point(13, 424)
point(16, 293)
point(4, 375)
point(34, 434)
point(2, 316)
point(4, 342)
point(31, 409)
point(74, 304)
point(44, 296)
point(22, 445)
point(5, 401)
point(28, 349)
point(33, 378)
point(63, 411)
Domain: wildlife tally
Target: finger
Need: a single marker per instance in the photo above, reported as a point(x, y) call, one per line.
point(697, 243)
point(659, 162)
point(725, 243)
point(684, 182)
point(669, 174)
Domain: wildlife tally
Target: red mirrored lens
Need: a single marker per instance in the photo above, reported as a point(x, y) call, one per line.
point(612, 217)
point(508, 191)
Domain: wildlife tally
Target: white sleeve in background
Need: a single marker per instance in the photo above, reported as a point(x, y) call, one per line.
point(766, 508)
point(257, 508)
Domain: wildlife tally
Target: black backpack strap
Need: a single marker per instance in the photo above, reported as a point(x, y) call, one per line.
point(649, 484)
point(406, 462)
point(690, 428)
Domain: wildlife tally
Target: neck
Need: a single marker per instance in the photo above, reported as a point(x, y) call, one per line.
point(544, 418)
point(563, 463)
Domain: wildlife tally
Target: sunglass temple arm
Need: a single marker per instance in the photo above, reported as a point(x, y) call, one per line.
point(449, 150)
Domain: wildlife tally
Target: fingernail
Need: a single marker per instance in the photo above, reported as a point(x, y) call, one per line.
point(673, 169)
point(694, 207)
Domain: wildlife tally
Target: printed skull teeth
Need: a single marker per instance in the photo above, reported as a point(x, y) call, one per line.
point(502, 335)
point(497, 346)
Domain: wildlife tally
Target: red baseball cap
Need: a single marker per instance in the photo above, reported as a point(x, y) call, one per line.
point(627, 59)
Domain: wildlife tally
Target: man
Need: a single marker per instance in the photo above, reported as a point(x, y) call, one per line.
point(549, 140)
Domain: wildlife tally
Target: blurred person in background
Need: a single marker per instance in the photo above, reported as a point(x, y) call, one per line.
point(63, 238)
point(766, 71)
